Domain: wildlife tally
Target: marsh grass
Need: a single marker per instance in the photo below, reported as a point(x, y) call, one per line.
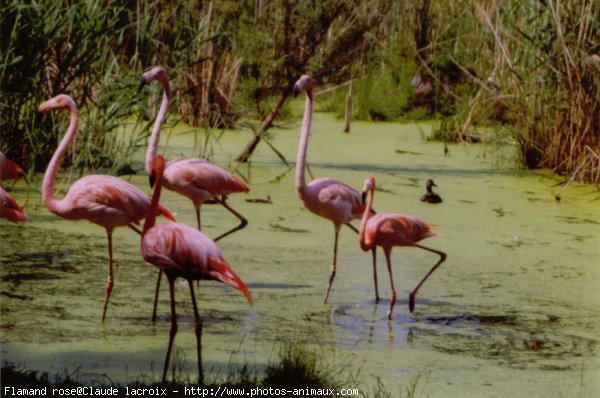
point(295, 366)
point(35, 32)
point(532, 67)
point(537, 71)
point(57, 47)
point(414, 389)
point(291, 371)
point(298, 367)
point(95, 52)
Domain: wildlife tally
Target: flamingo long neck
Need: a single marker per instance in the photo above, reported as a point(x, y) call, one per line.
point(160, 120)
point(153, 209)
point(302, 147)
point(49, 178)
point(364, 245)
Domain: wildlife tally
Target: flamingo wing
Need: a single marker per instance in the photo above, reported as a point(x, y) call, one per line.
point(396, 230)
point(336, 200)
point(184, 251)
point(107, 201)
point(178, 249)
point(199, 179)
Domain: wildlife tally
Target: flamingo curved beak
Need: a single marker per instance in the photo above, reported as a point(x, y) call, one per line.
point(45, 107)
point(364, 197)
point(152, 180)
point(297, 90)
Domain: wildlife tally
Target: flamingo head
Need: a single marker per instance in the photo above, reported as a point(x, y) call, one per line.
point(369, 185)
point(157, 73)
point(158, 168)
point(61, 101)
point(304, 83)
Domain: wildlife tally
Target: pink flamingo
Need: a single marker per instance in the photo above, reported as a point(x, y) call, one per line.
point(182, 251)
point(9, 208)
point(104, 200)
point(394, 229)
point(326, 197)
point(196, 179)
point(9, 170)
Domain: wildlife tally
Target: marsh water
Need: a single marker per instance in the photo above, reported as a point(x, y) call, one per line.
point(514, 311)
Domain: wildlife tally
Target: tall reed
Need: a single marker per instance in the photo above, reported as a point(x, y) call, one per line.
point(57, 47)
point(546, 52)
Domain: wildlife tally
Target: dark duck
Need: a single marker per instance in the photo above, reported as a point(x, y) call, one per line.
point(431, 196)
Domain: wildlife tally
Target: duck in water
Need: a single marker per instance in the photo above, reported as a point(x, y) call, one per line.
point(431, 196)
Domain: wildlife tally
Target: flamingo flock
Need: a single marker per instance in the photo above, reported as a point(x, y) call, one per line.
point(180, 251)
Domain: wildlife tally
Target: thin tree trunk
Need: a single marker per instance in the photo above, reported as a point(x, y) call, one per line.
point(245, 155)
point(207, 71)
point(348, 114)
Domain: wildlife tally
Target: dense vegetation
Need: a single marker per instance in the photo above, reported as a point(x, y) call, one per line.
point(530, 68)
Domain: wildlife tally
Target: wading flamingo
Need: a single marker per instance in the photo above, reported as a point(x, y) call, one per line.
point(102, 199)
point(9, 208)
point(196, 179)
point(326, 197)
point(182, 251)
point(9, 170)
point(431, 196)
point(393, 229)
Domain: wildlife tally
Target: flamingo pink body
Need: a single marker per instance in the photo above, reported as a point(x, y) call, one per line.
point(325, 197)
point(9, 170)
point(104, 200)
point(185, 252)
point(9, 208)
point(332, 199)
point(393, 229)
point(199, 180)
point(182, 251)
point(196, 179)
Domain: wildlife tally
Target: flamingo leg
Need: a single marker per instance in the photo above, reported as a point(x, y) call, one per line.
point(333, 267)
point(173, 329)
point(198, 218)
point(352, 227)
point(154, 308)
point(109, 284)
point(135, 229)
point(198, 331)
point(199, 224)
point(156, 295)
point(411, 297)
point(243, 220)
point(374, 253)
point(392, 290)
